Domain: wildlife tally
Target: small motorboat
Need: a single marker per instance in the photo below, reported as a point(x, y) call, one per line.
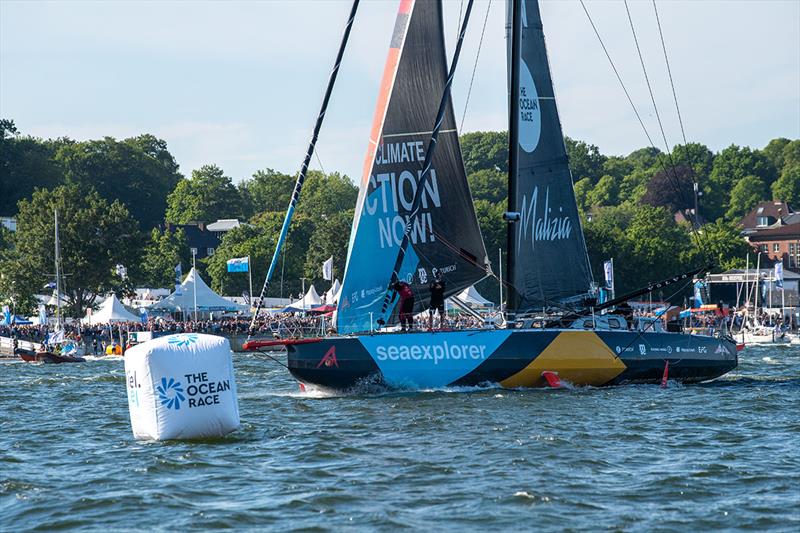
point(33, 356)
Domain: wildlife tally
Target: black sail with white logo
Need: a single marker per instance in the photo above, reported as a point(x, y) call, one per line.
point(444, 234)
point(547, 262)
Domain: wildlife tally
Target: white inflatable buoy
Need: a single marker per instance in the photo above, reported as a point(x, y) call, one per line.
point(181, 387)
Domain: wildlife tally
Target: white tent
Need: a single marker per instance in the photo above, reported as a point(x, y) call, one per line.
point(332, 296)
point(53, 301)
point(309, 300)
point(472, 297)
point(207, 300)
point(111, 310)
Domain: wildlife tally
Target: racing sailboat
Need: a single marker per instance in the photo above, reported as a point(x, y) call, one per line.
point(415, 220)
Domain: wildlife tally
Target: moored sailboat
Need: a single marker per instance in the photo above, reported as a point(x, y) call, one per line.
point(414, 221)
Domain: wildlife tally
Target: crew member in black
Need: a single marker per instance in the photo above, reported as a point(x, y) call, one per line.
point(437, 300)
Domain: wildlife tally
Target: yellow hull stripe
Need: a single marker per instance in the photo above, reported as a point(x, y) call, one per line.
point(579, 357)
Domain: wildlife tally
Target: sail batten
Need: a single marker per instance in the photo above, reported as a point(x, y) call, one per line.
point(548, 263)
point(417, 218)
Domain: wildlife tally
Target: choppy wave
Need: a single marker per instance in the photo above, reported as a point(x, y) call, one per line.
point(718, 455)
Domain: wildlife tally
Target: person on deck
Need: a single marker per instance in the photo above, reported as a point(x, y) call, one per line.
point(437, 300)
point(406, 294)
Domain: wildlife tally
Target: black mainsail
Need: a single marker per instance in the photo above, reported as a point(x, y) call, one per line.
point(547, 260)
point(444, 232)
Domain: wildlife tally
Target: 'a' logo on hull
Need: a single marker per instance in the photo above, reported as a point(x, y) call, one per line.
point(329, 359)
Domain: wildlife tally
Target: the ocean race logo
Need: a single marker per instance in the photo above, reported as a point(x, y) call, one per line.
point(530, 115)
point(433, 352)
point(392, 188)
point(200, 391)
point(183, 340)
point(170, 393)
point(541, 223)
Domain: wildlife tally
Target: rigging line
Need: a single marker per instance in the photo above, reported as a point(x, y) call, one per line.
point(633, 106)
point(676, 182)
point(460, 12)
point(695, 181)
point(674, 177)
point(306, 161)
point(669, 71)
point(647, 78)
point(475, 67)
point(619, 78)
point(319, 161)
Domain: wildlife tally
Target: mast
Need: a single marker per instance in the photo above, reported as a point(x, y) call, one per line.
point(425, 176)
point(58, 273)
point(512, 299)
point(304, 168)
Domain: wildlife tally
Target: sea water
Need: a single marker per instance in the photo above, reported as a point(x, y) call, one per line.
point(720, 455)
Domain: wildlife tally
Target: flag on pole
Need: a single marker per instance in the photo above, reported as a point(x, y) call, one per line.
point(43, 314)
point(779, 275)
point(327, 269)
point(698, 293)
point(6, 315)
point(608, 269)
point(239, 264)
point(178, 279)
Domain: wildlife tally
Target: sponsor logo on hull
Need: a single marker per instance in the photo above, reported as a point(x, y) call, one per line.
point(431, 359)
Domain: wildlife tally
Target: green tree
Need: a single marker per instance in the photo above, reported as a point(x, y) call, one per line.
point(327, 194)
point(644, 241)
point(746, 194)
point(606, 192)
point(25, 164)
point(162, 253)
point(721, 243)
point(731, 165)
point(139, 172)
point(485, 150)
point(585, 160)
point(791, 154)
point(95, 235)
point(634, 185)
point(208, 196)
point(583, 189)
point(490, 185)
point(644, 158)
point(330, 238)
point(268, 190)
point(774, 152)
point(787, 187)
point(617, 167)
point(695, 155)
point(258, 241)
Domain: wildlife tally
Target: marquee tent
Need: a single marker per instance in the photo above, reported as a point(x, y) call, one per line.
point(15, 319)
point(332, 296)
point(311, 299)
point(472, 297)
point(111, 310)
point(184, 299)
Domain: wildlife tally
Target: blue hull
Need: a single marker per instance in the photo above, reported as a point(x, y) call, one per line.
point(511, 357)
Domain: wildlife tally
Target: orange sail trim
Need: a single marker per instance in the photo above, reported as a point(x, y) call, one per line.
point(385, 92)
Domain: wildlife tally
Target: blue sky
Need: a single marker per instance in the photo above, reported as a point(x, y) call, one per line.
point(239, 84)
